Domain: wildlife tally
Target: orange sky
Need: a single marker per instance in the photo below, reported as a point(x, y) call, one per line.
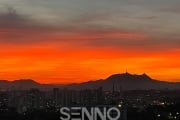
point(48, 64)
point(67, 42)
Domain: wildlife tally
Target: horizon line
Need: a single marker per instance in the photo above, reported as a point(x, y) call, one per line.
point(68, 83)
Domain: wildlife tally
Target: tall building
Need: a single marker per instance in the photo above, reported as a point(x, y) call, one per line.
point(56, 97)
point(32, 99)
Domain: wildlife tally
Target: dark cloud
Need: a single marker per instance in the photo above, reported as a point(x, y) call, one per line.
point(21, 29)
point(80, 31)
point(16, 28)
point(11, 19)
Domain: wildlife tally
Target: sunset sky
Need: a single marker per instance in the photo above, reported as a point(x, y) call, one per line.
point(67, 41)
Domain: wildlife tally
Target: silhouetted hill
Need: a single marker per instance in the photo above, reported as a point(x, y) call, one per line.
point(127, 81)
point(123, 81)
point(22, 84)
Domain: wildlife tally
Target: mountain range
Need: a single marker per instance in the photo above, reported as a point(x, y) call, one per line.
point(22, 84)
point(125, 81)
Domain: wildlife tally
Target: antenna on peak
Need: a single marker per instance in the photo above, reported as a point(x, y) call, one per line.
point(126, 71)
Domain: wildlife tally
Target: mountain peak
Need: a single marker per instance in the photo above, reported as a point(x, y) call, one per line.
point(127, 81)
point(145, 75)
point(129, 77)
point(30, 81)
point(21, 84)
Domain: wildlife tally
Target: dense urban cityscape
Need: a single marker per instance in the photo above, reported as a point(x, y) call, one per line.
point(35, 104)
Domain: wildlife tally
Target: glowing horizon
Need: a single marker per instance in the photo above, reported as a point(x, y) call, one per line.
point(76, 41)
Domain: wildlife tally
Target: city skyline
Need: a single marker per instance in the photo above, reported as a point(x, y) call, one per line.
point(81, 40)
